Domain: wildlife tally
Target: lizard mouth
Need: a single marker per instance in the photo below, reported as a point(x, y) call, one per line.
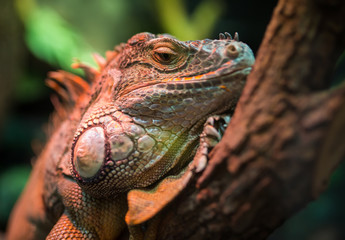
point(225, 71)
point(218, 77)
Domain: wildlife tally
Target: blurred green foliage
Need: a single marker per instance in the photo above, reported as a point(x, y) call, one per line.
point(50, 38)
point(12, 183)
point(54, 40)
point(29, 87)
point(179, 23)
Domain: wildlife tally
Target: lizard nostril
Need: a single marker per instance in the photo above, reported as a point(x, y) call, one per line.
point(232, 50)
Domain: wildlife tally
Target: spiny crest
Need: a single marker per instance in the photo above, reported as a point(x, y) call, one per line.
point(69, 86)
point(72, 89)
point(227, 36)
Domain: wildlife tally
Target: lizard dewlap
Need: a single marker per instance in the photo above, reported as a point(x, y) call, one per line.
point(127, 140)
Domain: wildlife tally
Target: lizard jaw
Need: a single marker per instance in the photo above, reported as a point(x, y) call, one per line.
point(214, 78)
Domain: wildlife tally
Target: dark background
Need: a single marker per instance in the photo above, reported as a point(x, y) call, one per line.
point(38, 36)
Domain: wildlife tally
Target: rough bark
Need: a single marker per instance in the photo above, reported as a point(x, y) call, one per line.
point(285, 138)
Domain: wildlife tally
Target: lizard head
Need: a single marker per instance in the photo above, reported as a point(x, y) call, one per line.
point(150, 59)
point(152, 100)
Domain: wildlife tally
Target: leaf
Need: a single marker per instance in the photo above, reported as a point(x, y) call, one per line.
point(52, 39)
point(176, 21)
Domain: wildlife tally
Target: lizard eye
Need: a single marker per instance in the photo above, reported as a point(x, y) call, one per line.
point(164, 55)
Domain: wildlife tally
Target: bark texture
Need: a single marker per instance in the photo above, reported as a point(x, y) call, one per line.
point(285, 138)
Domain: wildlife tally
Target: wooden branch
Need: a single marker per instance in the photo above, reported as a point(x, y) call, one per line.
point(285, 138)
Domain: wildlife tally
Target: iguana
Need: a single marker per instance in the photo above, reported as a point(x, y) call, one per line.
point(123, 142)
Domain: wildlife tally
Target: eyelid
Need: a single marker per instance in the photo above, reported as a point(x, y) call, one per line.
point(163, 49)
point(178, 53)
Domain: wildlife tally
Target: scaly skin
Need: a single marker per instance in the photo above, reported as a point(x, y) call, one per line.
point(138, 123)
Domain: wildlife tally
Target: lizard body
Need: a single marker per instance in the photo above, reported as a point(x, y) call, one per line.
point(137, 123)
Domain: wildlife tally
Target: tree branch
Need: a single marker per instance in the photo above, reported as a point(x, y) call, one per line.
point(284, 139)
